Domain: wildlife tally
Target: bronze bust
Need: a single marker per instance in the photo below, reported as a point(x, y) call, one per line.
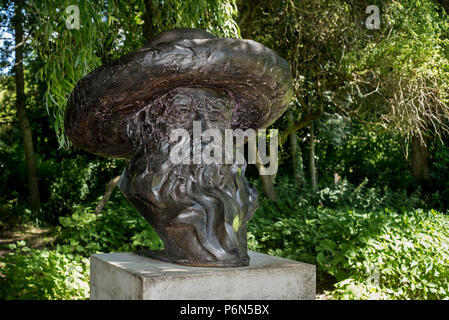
point(128, 108)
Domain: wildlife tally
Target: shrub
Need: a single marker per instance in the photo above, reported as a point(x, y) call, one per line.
point(43, 274)
point(72, 182)
point(377, 254)
point(63, 273)
point(408, 260)
point(119, 227)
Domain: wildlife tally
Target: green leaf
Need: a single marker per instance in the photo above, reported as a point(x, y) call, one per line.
point(320, 258)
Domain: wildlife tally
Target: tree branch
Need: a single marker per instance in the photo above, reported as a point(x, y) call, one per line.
point(299, 124)
point(107, 194)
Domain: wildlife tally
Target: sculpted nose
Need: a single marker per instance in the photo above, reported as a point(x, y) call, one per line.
point(203, 119)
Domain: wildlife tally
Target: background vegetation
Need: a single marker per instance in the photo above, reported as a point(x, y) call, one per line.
point(362, 189)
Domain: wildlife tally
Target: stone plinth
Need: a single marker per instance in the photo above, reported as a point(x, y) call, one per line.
point(130, 276)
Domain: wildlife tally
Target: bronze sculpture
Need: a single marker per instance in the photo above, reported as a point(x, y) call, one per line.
point(127, 109)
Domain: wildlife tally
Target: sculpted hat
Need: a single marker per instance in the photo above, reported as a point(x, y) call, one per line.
point(256, 79)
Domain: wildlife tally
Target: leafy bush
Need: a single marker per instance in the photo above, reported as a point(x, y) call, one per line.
point(63, 273)
point(365, 198)
point(438, 196)
point(408, 260)
point(43, 274)
point(356, 153)
point(13, 179)
point(343, 195)
point(377, 254)
point(117, 228)
point(72, 182)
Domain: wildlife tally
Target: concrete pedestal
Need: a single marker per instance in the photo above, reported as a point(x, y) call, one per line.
point(130, 276)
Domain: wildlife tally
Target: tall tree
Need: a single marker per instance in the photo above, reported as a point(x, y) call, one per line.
point(298, 172)
point(420, 167)
point(148, 27)
point(400, 77)
point(312, 165)
point(25, 128)
point(395, 77)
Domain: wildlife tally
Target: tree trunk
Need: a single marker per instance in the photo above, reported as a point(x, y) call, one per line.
point(148, 27)
point(268, 186)
point(33, 182)
point(312, 166)
point(420, 169)
point(267, 180)
point(298, 172)
point(107, 194)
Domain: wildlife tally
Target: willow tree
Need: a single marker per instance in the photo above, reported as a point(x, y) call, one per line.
point(107, 30)
point(400, 76)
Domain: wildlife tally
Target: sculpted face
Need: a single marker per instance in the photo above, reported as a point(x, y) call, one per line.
point(177, 110)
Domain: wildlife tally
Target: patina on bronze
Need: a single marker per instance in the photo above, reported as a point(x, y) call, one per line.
point(127, 109)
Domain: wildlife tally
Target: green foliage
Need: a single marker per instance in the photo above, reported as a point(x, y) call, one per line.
point(408, 259)
point(117, 228)
point(72, 181)
point(396, 76)
point(365, 198)
point(66, 60)
point(406, 251)
point(401, 72)
point(358, 153)
point(69, 183)
point(438, 196)
point(43, 274)
point(63, 272)
point(12, 167)
point(215, 16)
